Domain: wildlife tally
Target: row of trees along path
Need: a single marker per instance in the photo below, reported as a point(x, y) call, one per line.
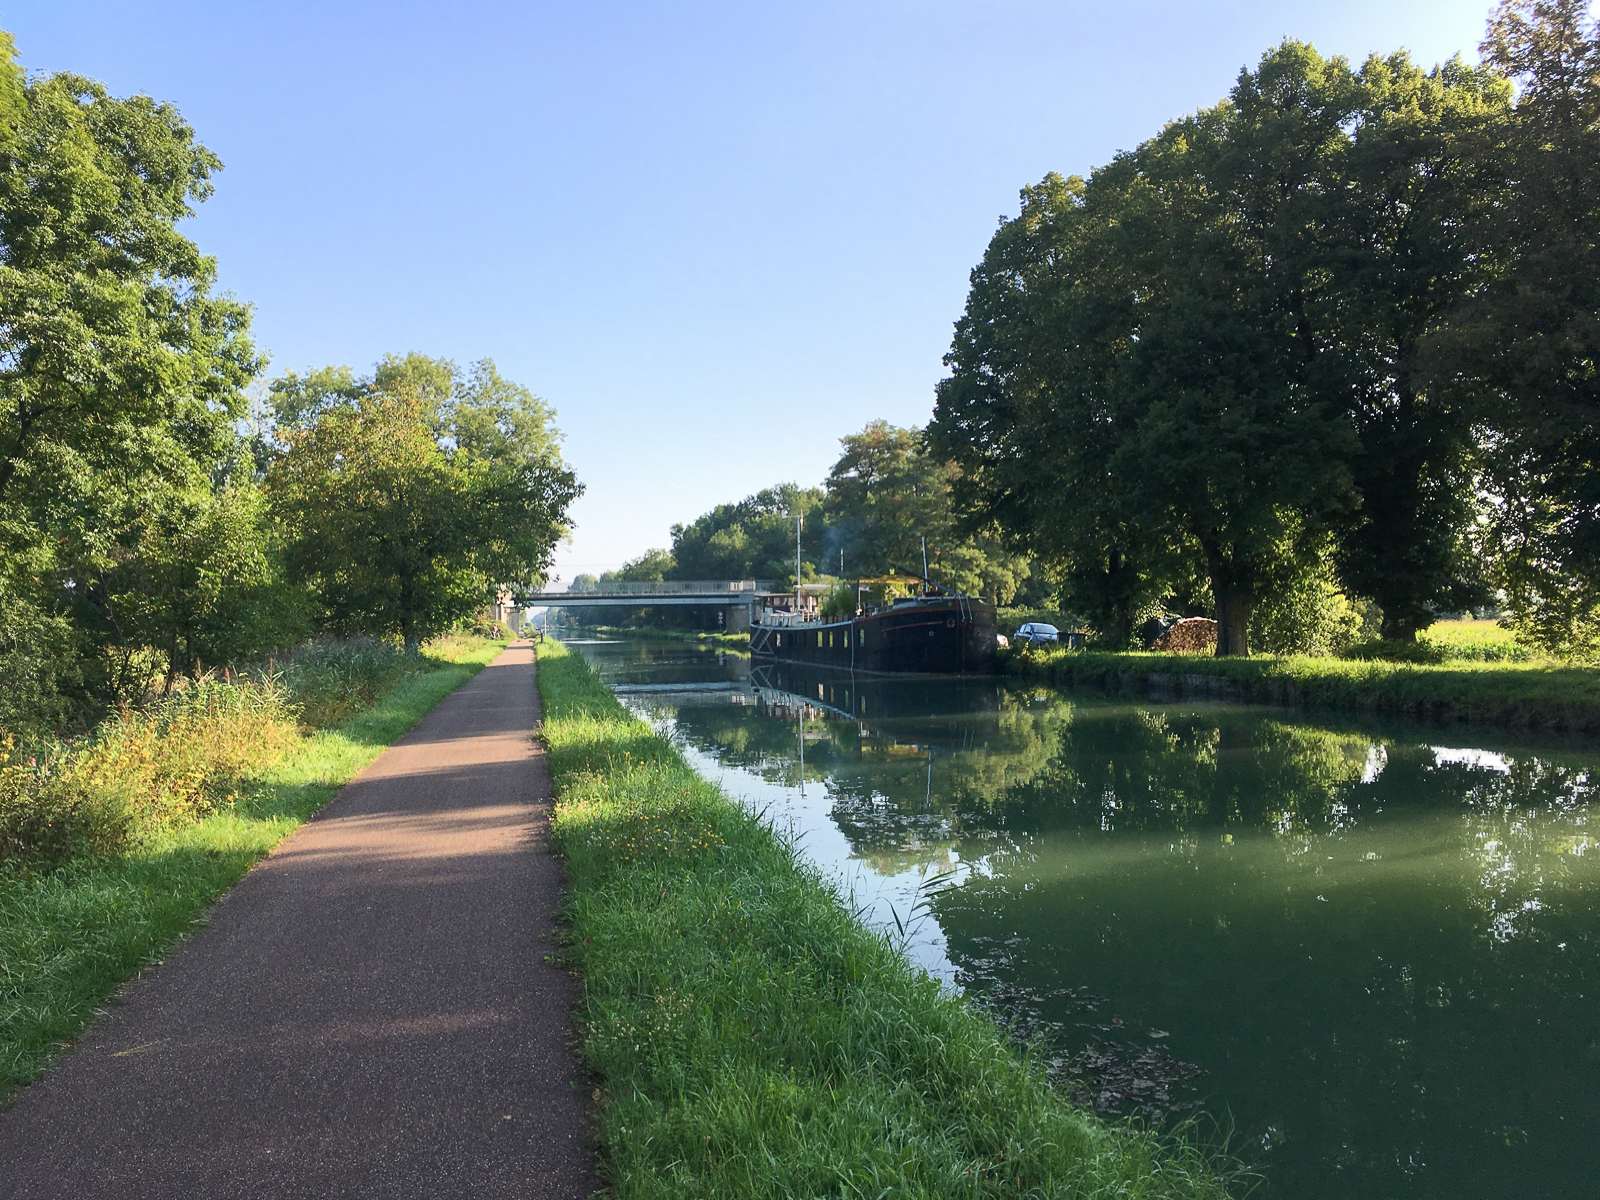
point(369, 1013)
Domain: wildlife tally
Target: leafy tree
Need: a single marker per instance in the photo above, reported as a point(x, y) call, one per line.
point(120, 371)
point(201, 585)
point(753, 539)
point(498, 420)
point(1212, 349)
point(298, 400)
point(886, 493)
point(1190, 392)
point(1405, 201)
point(1532, 340)
point(398, 531)
point(433, 381)
point(652, 566)
point(1027, 415)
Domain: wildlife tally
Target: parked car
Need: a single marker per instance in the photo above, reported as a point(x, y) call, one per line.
point(1037, 633)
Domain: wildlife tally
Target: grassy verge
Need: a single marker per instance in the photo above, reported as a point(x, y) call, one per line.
point(69, 937)
point(1541, 695)
point(753, 1039)
point(737, 640)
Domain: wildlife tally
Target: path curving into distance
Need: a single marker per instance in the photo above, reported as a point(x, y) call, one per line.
point(369, 1013)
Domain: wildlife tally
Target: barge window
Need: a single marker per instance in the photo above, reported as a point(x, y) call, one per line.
point(861, 637)
point(778, 638)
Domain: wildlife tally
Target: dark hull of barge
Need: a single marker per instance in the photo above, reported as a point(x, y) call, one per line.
point(930, 637)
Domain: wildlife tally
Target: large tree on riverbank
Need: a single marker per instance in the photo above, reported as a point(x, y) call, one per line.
point(1211, 348)
point(121, 374)
point(1529, 345)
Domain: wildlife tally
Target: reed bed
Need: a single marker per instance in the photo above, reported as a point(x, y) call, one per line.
point(751, 1038)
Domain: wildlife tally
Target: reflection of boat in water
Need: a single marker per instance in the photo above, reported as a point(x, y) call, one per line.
point(918, 709)
point(939, 634)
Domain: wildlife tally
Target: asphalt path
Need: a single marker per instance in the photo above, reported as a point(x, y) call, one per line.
point(369, 1013)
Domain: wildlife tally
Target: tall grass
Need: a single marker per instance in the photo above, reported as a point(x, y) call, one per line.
point(183, 755)
point(329, 680)
point(1476, 641)
point(74, 927)
point(754, 1039)
point(180, 758)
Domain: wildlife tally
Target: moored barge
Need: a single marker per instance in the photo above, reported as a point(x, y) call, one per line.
point(927, 634)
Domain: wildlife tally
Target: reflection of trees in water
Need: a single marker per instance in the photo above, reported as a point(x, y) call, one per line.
point(1148, 770)
point(1042, 762)
point(1527, 830)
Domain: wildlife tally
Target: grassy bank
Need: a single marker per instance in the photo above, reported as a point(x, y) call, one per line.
point(1533, 695)
point(72, 932)
point(753, 1039)
point(738, 641)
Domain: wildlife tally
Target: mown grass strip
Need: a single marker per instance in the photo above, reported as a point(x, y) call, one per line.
point(754, 1039)
point(71, 937)
point(1544, 695)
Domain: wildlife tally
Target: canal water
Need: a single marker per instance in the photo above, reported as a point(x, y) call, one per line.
point(1369, 950)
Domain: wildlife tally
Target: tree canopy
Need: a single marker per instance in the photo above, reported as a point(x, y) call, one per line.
point(409, 497)
point(887, 495)
point(120, 376)
point(145, 532)
point(1342, 319)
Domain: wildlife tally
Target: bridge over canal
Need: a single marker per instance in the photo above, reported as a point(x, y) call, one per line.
point(737, 597)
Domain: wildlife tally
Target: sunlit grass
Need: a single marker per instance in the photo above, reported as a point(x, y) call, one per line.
point(754, 1039)
point(1482, 641)
point(70, 936)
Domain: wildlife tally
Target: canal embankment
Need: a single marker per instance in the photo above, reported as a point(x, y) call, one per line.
point(752, 1037)
point(1554, 696)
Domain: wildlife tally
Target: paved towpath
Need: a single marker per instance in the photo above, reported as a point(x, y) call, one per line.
point(369, 1012)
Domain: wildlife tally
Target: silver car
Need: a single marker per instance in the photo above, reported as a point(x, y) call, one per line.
point(1037, 633)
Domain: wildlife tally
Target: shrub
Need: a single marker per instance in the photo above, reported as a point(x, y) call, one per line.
point(178, 759)
point(48, 816)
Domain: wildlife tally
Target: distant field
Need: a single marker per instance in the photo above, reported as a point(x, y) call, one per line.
point(1476, 641)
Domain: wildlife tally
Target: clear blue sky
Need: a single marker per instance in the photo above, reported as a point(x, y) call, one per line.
point(716, 236)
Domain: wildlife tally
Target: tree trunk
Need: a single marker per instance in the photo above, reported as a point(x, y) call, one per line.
point(1233, 620)
point(1397, 630)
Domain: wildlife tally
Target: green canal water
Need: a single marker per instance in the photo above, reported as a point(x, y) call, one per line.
point(1370, 950)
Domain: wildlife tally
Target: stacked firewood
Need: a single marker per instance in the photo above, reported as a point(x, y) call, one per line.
point(1192, 635)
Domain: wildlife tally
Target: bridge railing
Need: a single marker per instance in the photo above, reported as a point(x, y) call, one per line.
point(673, 587)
